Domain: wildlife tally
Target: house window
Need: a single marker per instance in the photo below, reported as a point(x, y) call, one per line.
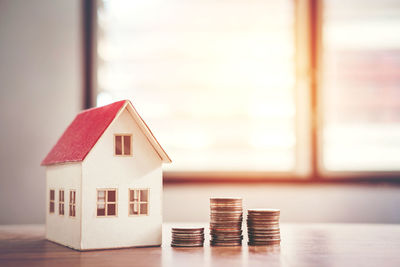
point(107, 202)
point(138, 201)
point(51, 204)
point(123, 145)
point(61, 202)
point(288, 95)
point(72, 202)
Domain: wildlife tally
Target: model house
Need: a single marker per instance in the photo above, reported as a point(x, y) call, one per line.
point(104, 181)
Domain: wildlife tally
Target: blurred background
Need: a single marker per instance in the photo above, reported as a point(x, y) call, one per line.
point(293, 104)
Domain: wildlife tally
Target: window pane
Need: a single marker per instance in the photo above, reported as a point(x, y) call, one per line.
point(71, 210)
point(361, 89)
point(118, 145)
point(101, 196)
point(61, 209)
point(143, 195)
point(101, 210)
point(127, 145)
point(134, 195)
point(111, 196)
point(133, 209)
point(51, 194)
point(51, 208)
point(143, 208)
point(111, 210)
point(213, 79)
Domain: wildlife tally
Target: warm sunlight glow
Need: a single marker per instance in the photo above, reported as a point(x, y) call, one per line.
point(214, 80)
point(361, 85)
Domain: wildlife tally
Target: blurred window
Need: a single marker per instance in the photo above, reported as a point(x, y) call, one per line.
point(216, 81)
point(61, 202)
point(106, 202)
point(138, 201)
point(123, 145)
point(361, 85)
point(52, 199)
point(213, 79)
point(72, 203)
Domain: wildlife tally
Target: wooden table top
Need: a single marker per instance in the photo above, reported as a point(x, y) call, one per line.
point(302, 245)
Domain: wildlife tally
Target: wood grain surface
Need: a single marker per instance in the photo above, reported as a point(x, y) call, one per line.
point(302, 245)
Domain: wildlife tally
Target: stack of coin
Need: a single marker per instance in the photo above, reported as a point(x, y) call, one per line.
point(187, 237)
point(263, 227)
point(226, 221)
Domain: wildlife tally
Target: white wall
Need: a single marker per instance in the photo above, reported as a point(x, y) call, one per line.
point(101, 169)
point(63, 228)
point(341, 203)
point(40, 93)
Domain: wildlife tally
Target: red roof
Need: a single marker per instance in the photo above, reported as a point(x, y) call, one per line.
point(82, 134)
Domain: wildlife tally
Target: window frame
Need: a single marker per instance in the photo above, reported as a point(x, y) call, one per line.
point(308, 61)
point(106, 202)
point(138, 202)
point(122, 145)
point(72, 192)
point(52, 201)
point(321, 173)
point(61, 202)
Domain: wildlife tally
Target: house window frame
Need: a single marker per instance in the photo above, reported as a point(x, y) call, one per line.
point(138, 202)
point(72, 203)
point(52, 201)
point(106, 202)
point(122, 144)
point(308, 61)
point(61, 202)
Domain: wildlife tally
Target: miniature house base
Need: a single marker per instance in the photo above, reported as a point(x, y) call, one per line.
point(75, 166)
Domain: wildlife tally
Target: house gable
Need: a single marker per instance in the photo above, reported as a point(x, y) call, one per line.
point(142, 149)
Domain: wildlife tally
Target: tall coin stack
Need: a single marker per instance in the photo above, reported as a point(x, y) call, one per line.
point(187, 237)
point(226, 221)
point(263, 227)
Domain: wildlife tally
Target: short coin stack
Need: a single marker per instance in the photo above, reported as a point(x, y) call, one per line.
point(263, 227)
point(226, 221)
point(187, 237)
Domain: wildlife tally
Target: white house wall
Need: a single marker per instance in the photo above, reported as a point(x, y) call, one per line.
point(101, 169)
point(63, 228)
